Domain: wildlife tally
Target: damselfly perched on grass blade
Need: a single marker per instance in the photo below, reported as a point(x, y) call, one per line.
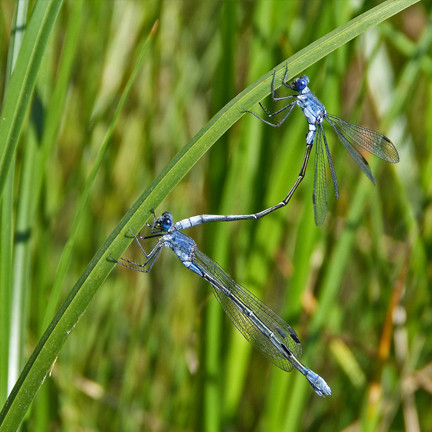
point(262, 327)
point(350, 135)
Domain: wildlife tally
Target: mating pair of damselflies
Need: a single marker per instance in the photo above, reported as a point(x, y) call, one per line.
point(262, 327)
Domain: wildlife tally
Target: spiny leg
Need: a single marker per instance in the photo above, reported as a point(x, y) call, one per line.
point(285, 83)
point(143, 268)
point(288, 107)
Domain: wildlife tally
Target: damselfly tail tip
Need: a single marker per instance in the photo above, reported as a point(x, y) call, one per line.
point(319, 385)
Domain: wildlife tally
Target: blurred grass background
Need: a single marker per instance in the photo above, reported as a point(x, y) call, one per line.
point(155, 352)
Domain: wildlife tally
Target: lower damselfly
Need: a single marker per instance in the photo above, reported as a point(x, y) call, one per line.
point(262, 327)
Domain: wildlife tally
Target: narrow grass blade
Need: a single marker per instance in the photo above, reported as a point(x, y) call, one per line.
point(100, 266)
point(21, 85)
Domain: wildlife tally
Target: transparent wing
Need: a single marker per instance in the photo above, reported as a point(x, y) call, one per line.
point(355, 154)
point(330, 162)
point(262, 327)
point(320, 181)
point(374, 142)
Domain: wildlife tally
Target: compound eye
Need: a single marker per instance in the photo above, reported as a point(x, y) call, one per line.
point(302, 83)
point(166, 221)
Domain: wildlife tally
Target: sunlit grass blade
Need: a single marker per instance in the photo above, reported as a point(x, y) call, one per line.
point(7, 234)
point(21, 85)
point(100, 266)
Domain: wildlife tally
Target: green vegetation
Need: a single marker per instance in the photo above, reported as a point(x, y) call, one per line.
point(113, 103)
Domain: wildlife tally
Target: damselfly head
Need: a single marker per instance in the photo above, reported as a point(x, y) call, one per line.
point(301, 83)
point(164, 223)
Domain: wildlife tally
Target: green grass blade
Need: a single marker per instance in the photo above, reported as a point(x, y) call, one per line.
point(7, 232)
point(69, 248)
point(21, 85)
point(100, 266)
point(53, 120)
